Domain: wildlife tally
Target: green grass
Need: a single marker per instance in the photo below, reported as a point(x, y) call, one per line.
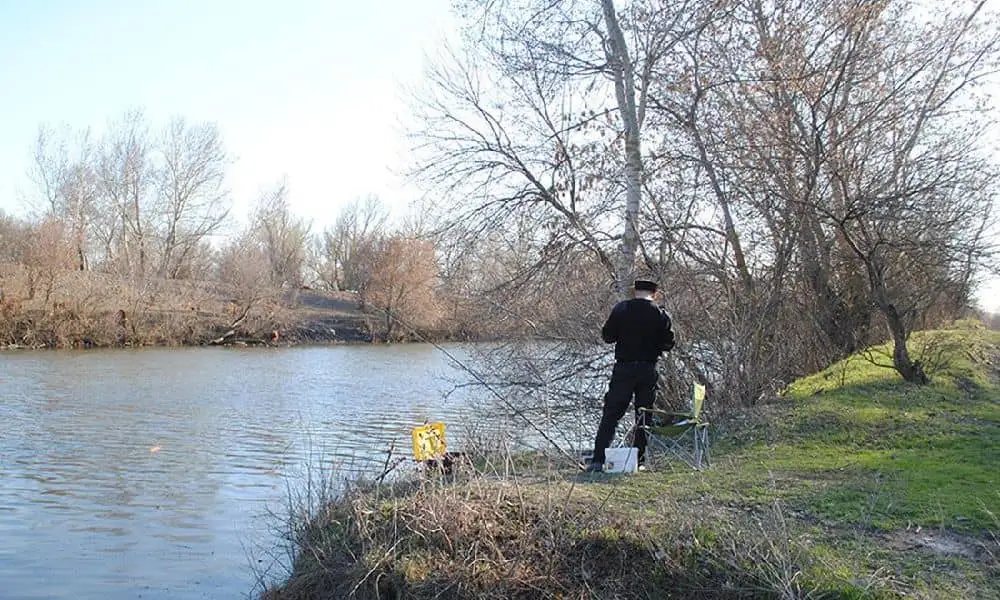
point(930, 453)
point(870, 460)
point(886, 453)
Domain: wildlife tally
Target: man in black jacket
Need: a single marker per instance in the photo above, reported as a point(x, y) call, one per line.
point(640, 331)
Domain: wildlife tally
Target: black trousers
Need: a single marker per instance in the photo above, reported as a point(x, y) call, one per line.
point(628, 379)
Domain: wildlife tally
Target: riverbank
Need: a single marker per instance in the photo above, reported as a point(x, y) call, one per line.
point(189, 314)
point(853, 484)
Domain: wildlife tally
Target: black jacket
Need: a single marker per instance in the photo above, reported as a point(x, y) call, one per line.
point(639, 329)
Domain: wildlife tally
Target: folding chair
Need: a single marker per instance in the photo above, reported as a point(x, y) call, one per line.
point(685, 435)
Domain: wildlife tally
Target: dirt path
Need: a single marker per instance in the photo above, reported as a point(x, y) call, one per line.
point(316, 317)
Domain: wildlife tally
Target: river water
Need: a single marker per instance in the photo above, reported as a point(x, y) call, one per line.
point(149, 473)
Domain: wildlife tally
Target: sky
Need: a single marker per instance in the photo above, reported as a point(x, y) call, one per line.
point(310, 91)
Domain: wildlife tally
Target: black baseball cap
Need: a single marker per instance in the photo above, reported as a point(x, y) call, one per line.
point(645, 285)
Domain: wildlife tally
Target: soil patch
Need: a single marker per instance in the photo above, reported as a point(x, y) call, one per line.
point(942, 543)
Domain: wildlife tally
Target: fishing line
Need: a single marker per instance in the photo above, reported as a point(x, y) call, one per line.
point(468, 370)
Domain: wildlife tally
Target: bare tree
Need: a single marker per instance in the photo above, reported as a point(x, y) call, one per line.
point(349, 246)
point(149, 206)
point(872, 112)
point(543, 113)
point(125, 173)
point(716, 228)
point(245, 267)
point(403, 286)
point(497, 141)
point(282, 237)
point(630, 108)
point(50, 164)
point(63, 169)
point(193, 201)
point(261, 262)
point(780, 109)
point(532, 144)
point(911, 194)
point(13, 238)
point(49, 252)
point(806, 169)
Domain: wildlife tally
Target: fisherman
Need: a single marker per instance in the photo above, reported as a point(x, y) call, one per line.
point(640, 331)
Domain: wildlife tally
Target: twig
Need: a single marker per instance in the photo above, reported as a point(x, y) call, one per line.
point(517, 412)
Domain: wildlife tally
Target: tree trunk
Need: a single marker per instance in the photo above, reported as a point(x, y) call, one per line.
point(624, 78)
point(909, 369)
point(79, 229)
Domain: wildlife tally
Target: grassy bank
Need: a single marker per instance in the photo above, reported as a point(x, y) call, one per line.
point(852, 485)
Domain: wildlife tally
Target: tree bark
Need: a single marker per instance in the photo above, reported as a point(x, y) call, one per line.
point(624, 78)
point(911, 370)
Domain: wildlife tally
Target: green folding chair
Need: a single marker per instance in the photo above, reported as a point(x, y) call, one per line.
point(682, 435)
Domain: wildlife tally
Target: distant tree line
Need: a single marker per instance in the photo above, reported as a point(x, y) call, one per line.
point(139, 222)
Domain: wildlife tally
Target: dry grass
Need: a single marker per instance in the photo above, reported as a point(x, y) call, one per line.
point(72, 309)
point(480, 535)
point(476, 541)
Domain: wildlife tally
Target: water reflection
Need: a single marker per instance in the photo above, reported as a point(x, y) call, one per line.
point(133, 474)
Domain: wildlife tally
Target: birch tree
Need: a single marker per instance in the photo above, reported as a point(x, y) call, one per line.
point(542, 112)
point(623, 74)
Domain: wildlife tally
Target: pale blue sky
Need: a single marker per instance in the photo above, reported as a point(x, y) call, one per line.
point(310, 89)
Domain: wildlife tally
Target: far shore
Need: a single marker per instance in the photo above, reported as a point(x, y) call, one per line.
point(305, 317)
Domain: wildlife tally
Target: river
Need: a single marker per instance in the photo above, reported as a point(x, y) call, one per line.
point(149, 473)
